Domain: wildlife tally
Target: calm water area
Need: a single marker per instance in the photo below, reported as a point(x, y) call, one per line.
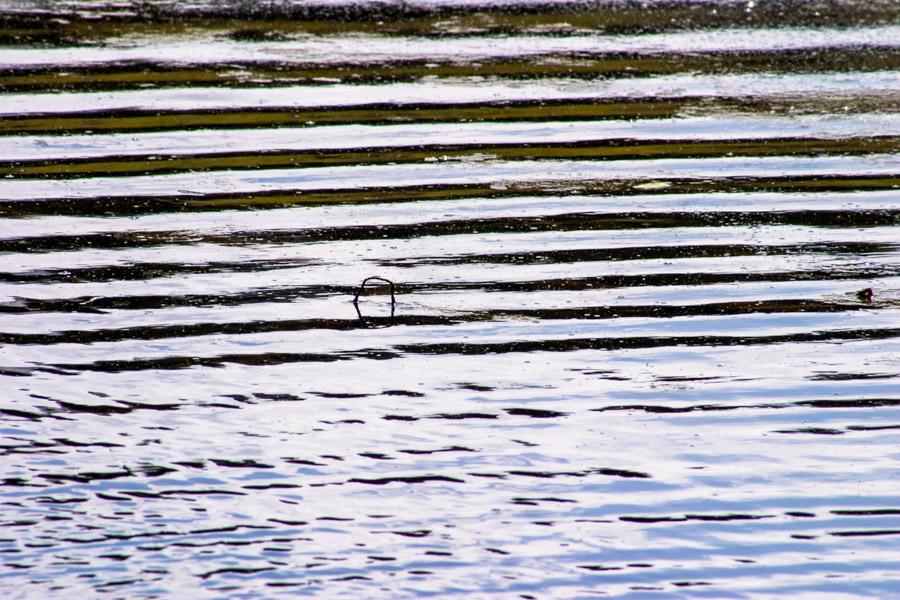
point(645, 332)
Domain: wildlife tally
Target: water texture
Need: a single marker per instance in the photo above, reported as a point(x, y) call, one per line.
point(646, 267)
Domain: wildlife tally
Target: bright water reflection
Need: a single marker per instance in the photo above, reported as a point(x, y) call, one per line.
point(646, 334)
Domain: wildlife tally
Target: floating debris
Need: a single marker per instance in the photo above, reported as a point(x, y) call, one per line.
point(362, 287)
point(359, 291)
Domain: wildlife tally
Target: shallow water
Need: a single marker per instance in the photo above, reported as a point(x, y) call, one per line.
point(645, 339)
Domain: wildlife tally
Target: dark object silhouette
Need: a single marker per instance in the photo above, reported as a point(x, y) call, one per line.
point(362, 287)
point(865, 295)
point(367, 280)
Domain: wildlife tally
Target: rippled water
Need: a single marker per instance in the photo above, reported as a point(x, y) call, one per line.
point(646, 261)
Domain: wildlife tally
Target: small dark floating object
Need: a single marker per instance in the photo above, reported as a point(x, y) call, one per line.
point(369, 321)
point(865, 295)
point(362, 286)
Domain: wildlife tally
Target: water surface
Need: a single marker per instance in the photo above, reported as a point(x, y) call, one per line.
point(647, 276)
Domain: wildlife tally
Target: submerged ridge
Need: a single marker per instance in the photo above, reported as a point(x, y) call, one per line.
point(606, 150)
point(564, 222)
point(581, 312)
point(575, 64)
point(252, 21)
point(120, 118)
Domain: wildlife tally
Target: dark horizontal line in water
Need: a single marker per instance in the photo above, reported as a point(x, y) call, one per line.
point(234, 571)
point(100, 304)
point(142, 271)
point(154, 332)
point(871, 427)
point(595, 471)
point(90, 477)
point(836, 376)
point(400, 350)
point(151, 119)
point(627, 149)
point(812, 430)
point(406, 480)
point(505, 225)
point(69, 24)
point(122, 407)
point(872, 512)
point(610, 344)
point(662, 409)
point(834, 431)
point(572, 65)
point(693, 517)
point(373, 113)
point(865, 533)
point(628, 253)
point(530, 501)
point(126, 206)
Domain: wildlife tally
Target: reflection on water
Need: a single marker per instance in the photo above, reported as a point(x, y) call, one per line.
point(633, 328)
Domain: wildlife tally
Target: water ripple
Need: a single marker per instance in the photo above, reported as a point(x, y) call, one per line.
point(633, 329)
